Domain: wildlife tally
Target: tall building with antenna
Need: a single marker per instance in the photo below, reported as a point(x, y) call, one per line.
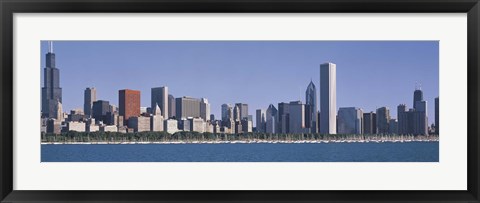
point(413, 121)
point(51, 90)
point(417, 95)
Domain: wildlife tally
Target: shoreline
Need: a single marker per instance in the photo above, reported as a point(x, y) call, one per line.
point(247, 142)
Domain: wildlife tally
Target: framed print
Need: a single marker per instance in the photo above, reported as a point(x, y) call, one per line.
point(239, 101)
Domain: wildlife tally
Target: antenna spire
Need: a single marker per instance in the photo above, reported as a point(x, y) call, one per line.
point(50, 47)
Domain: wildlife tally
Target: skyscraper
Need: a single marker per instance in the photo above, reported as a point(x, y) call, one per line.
point(246, 125)
point(350, 120)
point(402, 116)
point(409, 121)
point(260, 120)
point(437, 121)
point(156, 119)
point(414, 121)
point(187, 107)
point(129, 103)
point(204, 109)
point(417, 96)
point(297, 117)
point(100, 109)
point(171, 106)
point(311, 108)
point(225, 110)
point(160, 96)
point(89, 96)
point(243, 108)
point(393, 126)
point(420, 119)
point(271, 120)
point(283, 118)
point(383, 119)
point(370, 123)
point(51, 91)
point(236, 113)
point(328, 98)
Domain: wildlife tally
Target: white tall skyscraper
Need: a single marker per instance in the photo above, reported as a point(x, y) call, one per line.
point(204, 109)
point(328, 98)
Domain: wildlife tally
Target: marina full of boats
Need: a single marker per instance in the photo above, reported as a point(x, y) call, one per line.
point(236, 139)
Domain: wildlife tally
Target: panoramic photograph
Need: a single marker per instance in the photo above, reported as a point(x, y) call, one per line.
point(239, 101)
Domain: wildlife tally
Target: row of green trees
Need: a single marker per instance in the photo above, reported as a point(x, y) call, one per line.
point(185, 136)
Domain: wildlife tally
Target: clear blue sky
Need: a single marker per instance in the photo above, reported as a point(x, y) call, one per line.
point(370, 74)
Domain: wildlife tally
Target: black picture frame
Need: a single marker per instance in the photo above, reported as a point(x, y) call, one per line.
point(10, 7)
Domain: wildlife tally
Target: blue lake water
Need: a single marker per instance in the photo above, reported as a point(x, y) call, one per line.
point(323, 152)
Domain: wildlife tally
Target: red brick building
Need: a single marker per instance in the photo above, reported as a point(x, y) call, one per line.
point(129, 103)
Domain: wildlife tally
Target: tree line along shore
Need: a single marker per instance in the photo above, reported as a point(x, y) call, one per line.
point(196, 137)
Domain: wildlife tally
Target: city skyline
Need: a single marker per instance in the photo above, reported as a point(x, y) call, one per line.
point(242, 89)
